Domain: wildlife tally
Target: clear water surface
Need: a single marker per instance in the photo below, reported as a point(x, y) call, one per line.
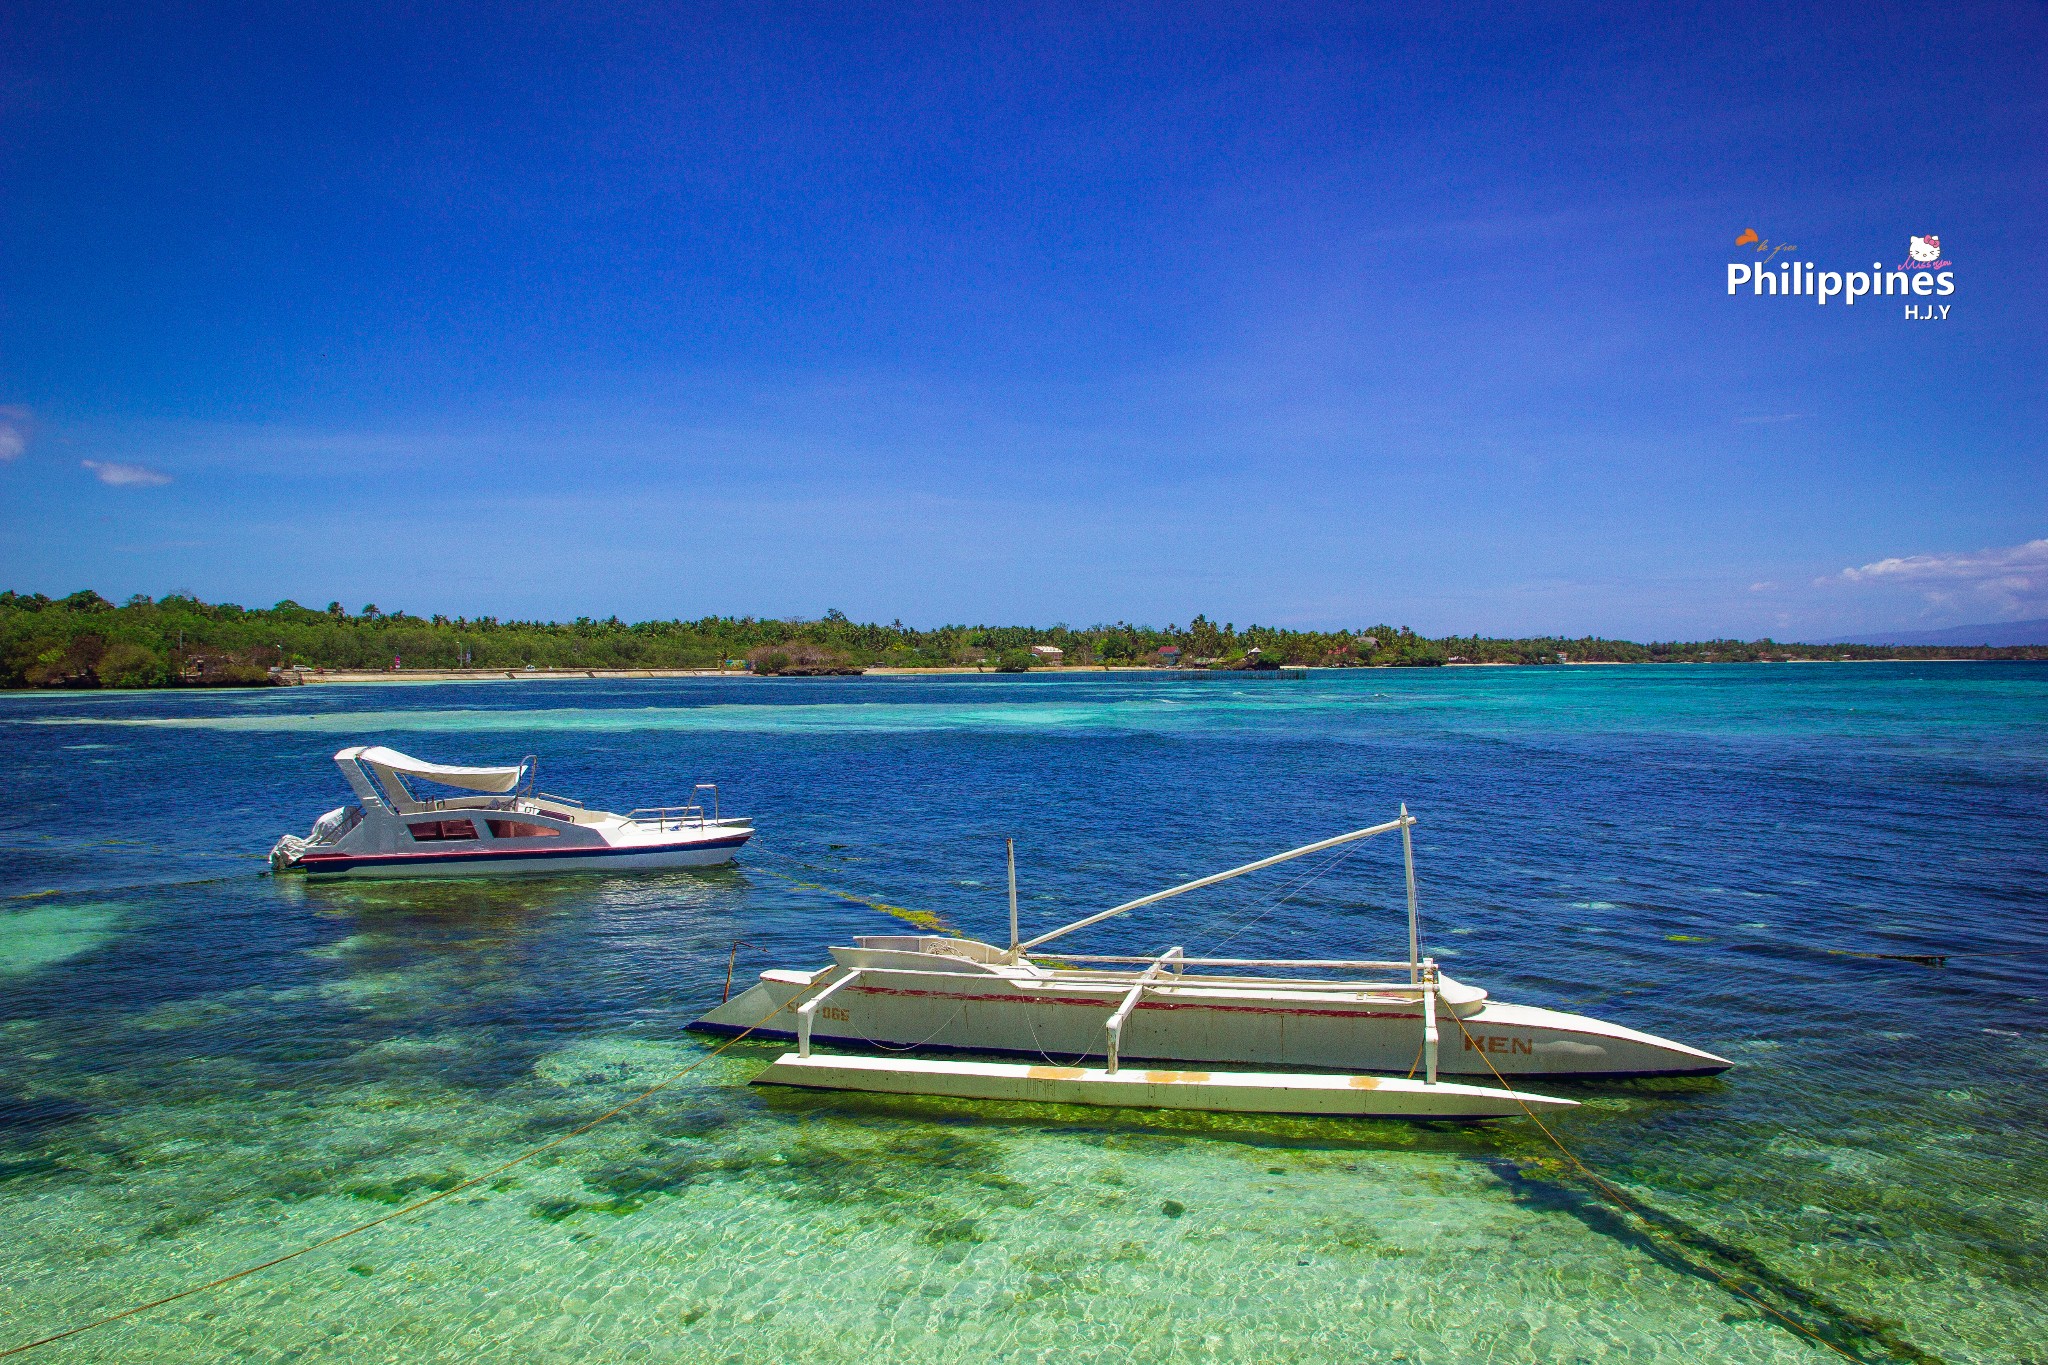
point(202, 1066)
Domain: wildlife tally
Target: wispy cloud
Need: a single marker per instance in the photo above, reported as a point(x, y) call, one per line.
point(1766, 419)
point(2012, 578)
point(126, 475)
point(13, 432)
point(2028, 561)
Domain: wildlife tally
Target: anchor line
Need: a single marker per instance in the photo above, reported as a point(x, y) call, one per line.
point(413, 1207)
point(1628, 1204)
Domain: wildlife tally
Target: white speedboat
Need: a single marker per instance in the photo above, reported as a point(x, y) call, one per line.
point(1351, 1015)
point(394, 832)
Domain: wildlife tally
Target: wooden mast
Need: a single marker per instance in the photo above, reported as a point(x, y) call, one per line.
point(1011, 845)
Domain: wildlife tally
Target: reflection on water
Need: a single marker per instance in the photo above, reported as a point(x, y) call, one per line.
point(198, 1072)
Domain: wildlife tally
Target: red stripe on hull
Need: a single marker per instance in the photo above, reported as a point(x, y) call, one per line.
point(1097, 1003)
point(319, 862)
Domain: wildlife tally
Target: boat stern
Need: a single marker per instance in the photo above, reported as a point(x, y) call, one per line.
point(286, 852)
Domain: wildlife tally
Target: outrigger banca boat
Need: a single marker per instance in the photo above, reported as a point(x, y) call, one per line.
point(927, 991)
point(395, 833)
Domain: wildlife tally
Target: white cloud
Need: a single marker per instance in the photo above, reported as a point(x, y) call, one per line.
point(2028, 560)
point(13, 432)
point(126, 475)
point(2011, 579)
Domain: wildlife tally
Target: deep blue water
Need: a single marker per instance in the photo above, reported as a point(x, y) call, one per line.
point(202, 1065)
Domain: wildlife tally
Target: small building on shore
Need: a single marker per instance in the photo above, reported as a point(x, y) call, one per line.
point(1170, 655)
point(1050, 655)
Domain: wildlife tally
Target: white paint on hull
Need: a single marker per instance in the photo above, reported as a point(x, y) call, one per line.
point(529, 867)
point(1242, 1092)
point(1061, 1022)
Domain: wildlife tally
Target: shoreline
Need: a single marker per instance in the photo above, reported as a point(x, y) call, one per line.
point(311, 677)
point(426, 677)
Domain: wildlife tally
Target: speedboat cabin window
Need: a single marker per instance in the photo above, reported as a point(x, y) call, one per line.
point(520, 829)
point(428, 831)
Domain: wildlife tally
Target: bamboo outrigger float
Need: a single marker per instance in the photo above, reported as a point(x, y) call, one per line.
point(1233, 1092)
point(1360, 1019)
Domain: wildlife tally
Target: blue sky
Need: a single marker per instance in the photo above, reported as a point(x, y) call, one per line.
point(1309, 315)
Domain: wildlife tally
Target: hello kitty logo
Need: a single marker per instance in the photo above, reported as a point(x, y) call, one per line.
point(1925, 253)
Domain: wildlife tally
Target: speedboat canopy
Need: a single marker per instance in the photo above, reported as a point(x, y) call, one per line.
point(388, 761)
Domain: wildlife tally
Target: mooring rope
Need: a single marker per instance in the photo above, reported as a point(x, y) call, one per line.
point(1632, 1206)
point(56, 891)
point(923, 919)
point(413, 1207)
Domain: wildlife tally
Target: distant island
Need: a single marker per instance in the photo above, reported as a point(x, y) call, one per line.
point(2002, 633)
point(86, 641)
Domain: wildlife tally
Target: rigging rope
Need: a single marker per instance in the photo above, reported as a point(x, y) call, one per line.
point(1279, 897)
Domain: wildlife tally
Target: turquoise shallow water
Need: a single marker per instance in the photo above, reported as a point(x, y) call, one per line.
point(202, 1066)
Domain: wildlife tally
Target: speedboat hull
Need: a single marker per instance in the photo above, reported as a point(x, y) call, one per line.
point(523, 862)
point(1060, 1021)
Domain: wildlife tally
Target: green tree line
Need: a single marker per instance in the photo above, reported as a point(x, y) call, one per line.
point(86, 641)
